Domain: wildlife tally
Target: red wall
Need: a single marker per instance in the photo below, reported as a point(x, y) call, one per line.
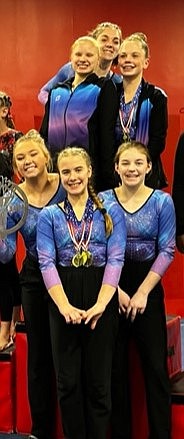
point(35, 40)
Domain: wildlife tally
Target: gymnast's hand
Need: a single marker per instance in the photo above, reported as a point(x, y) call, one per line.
point(137, 305)
point(71, 313)
point(94, 313)
point(124, 300)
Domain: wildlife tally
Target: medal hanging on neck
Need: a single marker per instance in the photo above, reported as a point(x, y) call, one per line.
point(127, 115)
point(83, 256)
point(126, 126)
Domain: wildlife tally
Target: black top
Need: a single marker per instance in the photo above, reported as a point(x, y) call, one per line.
point(178, 185)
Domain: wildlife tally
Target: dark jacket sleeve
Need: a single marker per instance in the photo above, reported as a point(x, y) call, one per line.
point(45, 121)
point(107, 115)
point(158, 124)
point(178, 185)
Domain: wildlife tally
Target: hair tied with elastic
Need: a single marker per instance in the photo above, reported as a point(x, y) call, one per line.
point(103, 211)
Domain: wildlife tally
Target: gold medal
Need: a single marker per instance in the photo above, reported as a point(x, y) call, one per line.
point(89, 259)
point(76, 260)
point(84, 257)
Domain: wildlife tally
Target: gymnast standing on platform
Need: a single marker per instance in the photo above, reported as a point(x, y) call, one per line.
point(81, 245)
point(32, 162)
point(150, 222)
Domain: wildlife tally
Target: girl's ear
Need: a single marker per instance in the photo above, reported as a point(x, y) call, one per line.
point(146, 63)
point(116, 168)
point(149, 168)
point(90, 171)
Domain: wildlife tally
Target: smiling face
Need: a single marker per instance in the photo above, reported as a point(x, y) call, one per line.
point(84, 56)
point(30, 159)
point(75, 173)
point(109, 43)
point(132, 59)
point(132, 167)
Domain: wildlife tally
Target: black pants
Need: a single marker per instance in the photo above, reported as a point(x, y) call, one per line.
point(10, 290)
point(83, 357)
point(40, 364)
point(150, 335)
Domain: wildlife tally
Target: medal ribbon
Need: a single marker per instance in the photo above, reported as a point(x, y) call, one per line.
point(80, 244)
point(126, 128)
point(74, 225)
point(126, 119)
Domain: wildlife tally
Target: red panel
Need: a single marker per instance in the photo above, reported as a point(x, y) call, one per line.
point(7, 393)
point(177, 421)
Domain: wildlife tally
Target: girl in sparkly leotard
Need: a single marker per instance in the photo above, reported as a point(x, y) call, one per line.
point(31, 160)
point(81, 245)
point(150, 221)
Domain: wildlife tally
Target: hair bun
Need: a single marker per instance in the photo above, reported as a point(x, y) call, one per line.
point(140, 35)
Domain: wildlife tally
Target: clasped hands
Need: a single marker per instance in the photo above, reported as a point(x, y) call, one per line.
point(132, 306)
point(76, 316)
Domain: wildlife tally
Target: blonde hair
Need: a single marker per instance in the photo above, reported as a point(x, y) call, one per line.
point(33, 136)
point(78, 151)
point(142, 38)
point(85, 39)
point(101, 26)
point(134, 144)
point(5, 101)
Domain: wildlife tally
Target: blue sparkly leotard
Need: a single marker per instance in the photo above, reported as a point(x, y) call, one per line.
point(150, 230)
point(28, 230)
point(55, 246)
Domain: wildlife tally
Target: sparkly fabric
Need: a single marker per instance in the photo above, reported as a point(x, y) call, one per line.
point(151, 119)
point(126, 108)
point(55, 246)
point(28, 230)
point(150, 230)
point(77, 225)
point(70, 112)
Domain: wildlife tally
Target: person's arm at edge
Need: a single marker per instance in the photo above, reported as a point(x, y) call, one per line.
point(63, 73)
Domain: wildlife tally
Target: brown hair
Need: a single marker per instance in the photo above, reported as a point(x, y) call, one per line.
point(100, 28)
point(134, 144)
point(77, 151)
